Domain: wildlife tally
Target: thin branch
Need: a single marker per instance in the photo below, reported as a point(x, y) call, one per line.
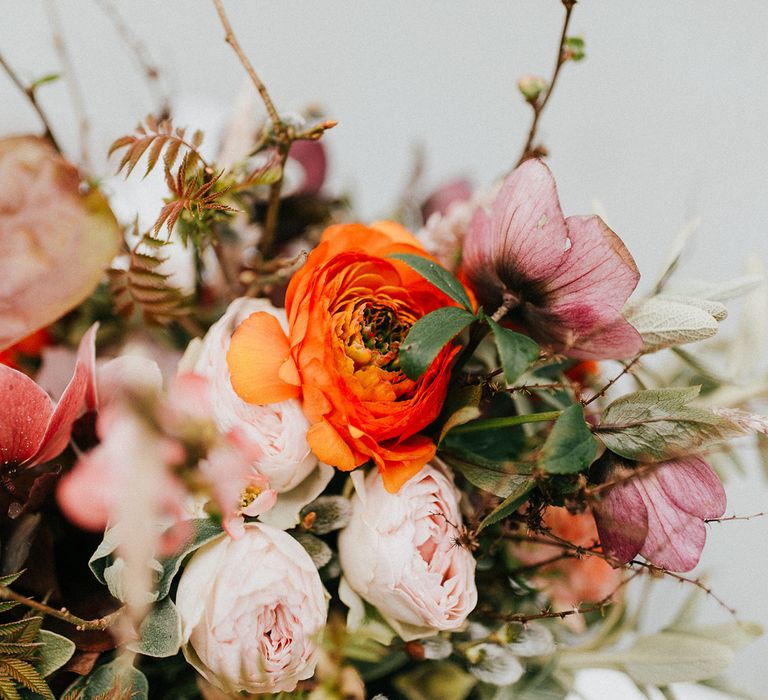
point(731, 518)
point(29, 92)
point(71, 79)
point(136, 46)
point(538, 106)
point(231, 39)
point(627, 368)
point(100, 623)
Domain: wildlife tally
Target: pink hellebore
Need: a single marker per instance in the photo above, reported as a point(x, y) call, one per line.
point(564, 280)
point(32, 429)
point(660, 514)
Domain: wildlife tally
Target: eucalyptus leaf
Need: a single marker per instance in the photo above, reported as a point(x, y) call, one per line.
point(516, 351)
point(160, 632)
point(428, 336)
point(116, 675)
point(570, 446)
point(54, 653)
point(438, 276)
point(659, 424)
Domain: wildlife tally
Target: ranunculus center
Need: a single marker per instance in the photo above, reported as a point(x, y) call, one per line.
point(373, 336)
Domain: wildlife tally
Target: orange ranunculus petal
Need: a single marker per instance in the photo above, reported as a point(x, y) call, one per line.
point(330, 447)
point(256, 358)
point(405, 460)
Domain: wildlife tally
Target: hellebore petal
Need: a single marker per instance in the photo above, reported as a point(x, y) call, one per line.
point(443, 197)
point(565, 280)
point(310, 155)
point(26, 412)
point(47, 226)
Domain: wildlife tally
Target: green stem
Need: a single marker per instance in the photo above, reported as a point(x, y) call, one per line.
point(506, 422)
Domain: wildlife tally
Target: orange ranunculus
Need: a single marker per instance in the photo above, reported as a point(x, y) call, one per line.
point(348, 309)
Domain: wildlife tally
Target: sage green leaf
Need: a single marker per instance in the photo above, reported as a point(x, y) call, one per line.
point(444, 680)
point(736, 635)
point(438, 276)
point(461, 406)
point(516, 351)
point(54, 653)
point(509, 505)
point(428, 336)
point(659, 424)
point(496, 480)
point(118, 675)
point(570, 446)
point(160, 632)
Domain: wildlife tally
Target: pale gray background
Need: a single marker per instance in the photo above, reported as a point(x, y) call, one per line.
point(667, 119)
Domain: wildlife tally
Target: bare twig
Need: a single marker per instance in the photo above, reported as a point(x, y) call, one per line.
point(80, 623)
point(29, 92)
point(731, 518)
point(71, 79)
point(627, 368)
point(136, 46)
point(538, 106)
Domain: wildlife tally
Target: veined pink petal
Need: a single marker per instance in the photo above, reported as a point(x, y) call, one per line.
point(73, 402)
point(692, 485)
point(675, 538)
point(622, 518)
point(441, 199)
point(26, 412)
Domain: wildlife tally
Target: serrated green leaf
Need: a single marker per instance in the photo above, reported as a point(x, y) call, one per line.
point(8, 689)
point(55, 652)
point(8, 579)
point(26, 675)
point(569, 447)
point(7, 605)
point(516, 351)
point(658, 424)
point(160, 634)
point(438, 276)
point(510, 504)
point(428, 336)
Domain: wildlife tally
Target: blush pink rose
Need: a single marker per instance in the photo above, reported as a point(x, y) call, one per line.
point(252, 611)
point(400, 555)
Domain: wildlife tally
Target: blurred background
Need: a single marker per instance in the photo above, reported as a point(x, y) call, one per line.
point(664, 122)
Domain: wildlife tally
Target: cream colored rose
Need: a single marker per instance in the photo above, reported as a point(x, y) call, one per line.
point(399, 553)
point(279, 429)
point(252, 611)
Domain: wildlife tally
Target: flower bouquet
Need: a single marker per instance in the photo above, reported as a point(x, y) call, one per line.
point(257, 447)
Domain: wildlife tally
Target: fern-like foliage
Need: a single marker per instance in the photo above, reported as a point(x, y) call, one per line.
point(142, 285)
point(152, 137)
point(20, 647)
point(193, 192)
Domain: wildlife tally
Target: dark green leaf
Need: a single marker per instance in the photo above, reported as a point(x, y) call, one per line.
point(160, 634)
point(517, 351)
point(10, 578)
point(509, 505)
point(461, 406)
point(438, 276)
point(569, 447)
point(428, 336)
point(499, 481)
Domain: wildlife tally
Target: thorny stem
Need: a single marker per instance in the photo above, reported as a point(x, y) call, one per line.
point(538, 106)
point(29, 91)
point(100, 623)
point(266, 243)
point(231, 39)
point(627, 368)
point(735, 517)
point(73, 84)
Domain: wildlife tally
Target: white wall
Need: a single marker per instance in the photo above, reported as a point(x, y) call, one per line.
point(664, 121)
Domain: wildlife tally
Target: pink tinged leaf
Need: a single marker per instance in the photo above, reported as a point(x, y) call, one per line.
point(25, 415)
point(693, 486)
point(675, 538)
point(47, 227)
point(621, 518)
point(441, 199)
point(310, 155)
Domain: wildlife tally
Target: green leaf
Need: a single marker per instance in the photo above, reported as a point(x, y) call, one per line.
point(8, 579)
point(438, 276)
point(116, 675)
point(498, 481)
point(658, 424)
point(735, 635)
point(461, 406)
point(44, 79)
point(569, 447)
point(26, 675)
point(573, 46)
point(428, 336)
point(444, 680)
point(517, 351)
point(55, 652)
point(509, 505)
point(160, 633)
